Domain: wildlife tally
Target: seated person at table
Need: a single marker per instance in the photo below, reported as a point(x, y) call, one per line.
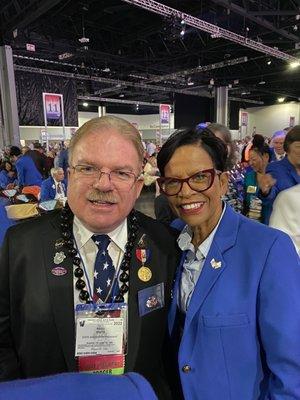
point(54, 187)
point(7, 176)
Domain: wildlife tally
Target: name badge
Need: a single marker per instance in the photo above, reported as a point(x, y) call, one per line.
point(101, 337)
point(251, 189)
point(95, 336)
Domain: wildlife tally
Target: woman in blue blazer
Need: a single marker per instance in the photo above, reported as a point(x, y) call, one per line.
point(235, 314)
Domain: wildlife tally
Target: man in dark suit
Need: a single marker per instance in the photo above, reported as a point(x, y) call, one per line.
point(50, 265)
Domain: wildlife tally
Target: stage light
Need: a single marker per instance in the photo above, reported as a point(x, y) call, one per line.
point(262, 82)
point(281, 99)
point(294, 64)
point(85, 104)
point(269, 62)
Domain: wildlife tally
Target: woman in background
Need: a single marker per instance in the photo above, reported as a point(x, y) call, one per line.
point(259, 157)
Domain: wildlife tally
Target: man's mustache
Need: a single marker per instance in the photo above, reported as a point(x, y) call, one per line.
point(96, 195)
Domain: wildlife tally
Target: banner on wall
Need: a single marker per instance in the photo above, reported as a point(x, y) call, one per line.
point(292, 121)
point(164, 113)
point(244, 118)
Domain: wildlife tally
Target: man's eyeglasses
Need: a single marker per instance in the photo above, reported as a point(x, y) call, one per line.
point(120, 178)
point(200, 181)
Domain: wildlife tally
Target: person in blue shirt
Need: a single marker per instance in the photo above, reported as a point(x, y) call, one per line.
point(28, 174)
point(234, 318)
point(54, 187)
point(63, 157)
point(281, 175)
point(277, 150)
point(259, 157)
point(7, 176)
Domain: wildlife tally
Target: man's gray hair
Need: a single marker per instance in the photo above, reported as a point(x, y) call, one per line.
point(99, 124)
point(54, 171)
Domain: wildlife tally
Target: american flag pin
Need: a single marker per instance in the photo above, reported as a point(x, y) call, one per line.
point(215, 264)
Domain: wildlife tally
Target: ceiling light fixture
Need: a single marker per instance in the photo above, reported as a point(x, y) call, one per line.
point(269, 62)
point(85, 104)
point(281, 99)
point(294, 64)
point(262, 82)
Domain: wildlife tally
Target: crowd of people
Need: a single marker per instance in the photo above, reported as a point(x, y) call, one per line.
point(202, 301)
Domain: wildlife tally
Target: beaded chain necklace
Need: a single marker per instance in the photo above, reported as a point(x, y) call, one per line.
point(66, 225)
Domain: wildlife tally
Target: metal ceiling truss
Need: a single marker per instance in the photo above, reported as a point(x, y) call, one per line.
point(199, 69)
point(119, 101)
point(214, 30)
point(124, 83)
point(121, 83)
point(260, 21)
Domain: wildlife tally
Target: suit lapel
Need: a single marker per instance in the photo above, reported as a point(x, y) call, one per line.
point(214, 264)
point(134, 320)
point(61, 294)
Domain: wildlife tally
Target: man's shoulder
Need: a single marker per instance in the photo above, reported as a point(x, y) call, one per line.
point(31, 226)
point(161, 234)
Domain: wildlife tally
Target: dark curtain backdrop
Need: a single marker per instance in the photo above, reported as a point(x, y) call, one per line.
point(234, 107)
point(191, 110)
point(30, 88)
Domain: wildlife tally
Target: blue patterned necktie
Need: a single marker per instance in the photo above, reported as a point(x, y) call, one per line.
point(104, 271)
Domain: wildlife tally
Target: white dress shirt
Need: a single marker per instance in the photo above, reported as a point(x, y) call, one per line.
point(193, 263)
point(88, 252)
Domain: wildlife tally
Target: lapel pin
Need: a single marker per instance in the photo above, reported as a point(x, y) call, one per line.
point(59, 243)
point(59, 257)
point(145, 274)
point(58, 271)
point(215, 264)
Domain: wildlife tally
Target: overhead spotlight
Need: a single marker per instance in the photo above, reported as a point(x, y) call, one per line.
point(294, 64)
point(295, 28)
point(269, 62)
point(182, 32)
point(121, 95)
point(262, 82)
point(280, 99)
point(190, 82)
point(106, 69)
point(137, 107)
point(212, 81)
point(229, 85)
point(85, 104)
point(182, 22)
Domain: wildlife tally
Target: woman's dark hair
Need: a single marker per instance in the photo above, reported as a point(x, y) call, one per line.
point(204, 138)
point(3, 165)
point(292, 136)
point(260, 146)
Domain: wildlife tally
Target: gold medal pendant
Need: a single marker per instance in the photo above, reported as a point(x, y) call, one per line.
point(145, 274)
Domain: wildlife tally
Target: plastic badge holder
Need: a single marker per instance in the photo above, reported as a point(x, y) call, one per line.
point(23, 198)
point(48, 205)
point(9, 192)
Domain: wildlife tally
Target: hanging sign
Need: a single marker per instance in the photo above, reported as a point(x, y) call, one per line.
point(164, 112)
point(52, 105)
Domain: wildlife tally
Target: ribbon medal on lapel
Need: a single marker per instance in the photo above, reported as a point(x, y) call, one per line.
point(143, 254)
point(215, 264)
point(59, 257)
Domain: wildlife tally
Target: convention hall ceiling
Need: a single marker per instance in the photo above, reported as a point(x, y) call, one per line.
point(116, 49)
